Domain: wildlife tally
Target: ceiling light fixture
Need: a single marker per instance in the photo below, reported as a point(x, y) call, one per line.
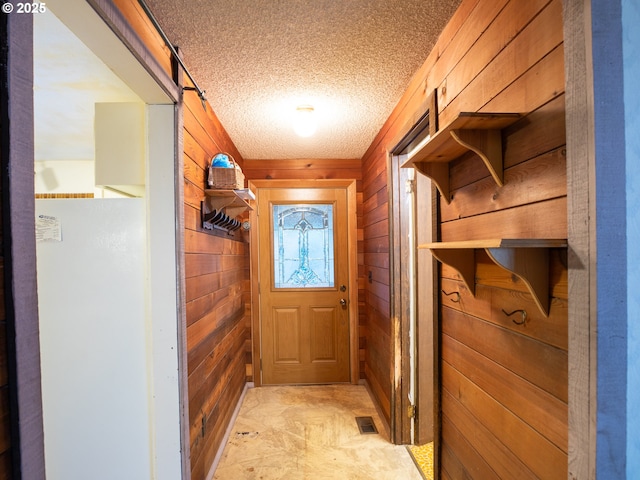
point(304, 121)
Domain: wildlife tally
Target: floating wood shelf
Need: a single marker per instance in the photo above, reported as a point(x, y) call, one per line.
point(221, 207)
point(478, 132)
point(528, 259)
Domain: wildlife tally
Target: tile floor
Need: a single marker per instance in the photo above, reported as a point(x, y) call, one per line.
point(310, 432)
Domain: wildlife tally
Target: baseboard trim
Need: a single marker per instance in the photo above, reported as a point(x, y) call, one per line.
point(385, 424)
point(227, 433)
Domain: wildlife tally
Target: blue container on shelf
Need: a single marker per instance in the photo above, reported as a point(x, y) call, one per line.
point(221, 160)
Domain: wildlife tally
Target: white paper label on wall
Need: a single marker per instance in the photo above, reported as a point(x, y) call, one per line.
point(48, 228)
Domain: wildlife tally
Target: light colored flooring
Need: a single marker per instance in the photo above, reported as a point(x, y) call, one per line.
point(310, 432)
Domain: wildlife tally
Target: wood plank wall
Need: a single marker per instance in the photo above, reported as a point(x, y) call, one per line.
point(503, 387)
point(310, 169)
point(216, 277)
point(217, 298)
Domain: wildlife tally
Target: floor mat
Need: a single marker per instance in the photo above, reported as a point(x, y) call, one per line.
point(422, 455)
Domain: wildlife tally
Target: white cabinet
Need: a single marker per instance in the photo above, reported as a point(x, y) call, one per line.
point(120, 147)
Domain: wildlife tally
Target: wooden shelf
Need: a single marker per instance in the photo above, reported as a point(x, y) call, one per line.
point(528, 259)
point(477, 132)
point(220, 207)
point(233, 202)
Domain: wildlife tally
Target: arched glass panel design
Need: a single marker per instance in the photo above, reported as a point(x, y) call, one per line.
point(303, 246)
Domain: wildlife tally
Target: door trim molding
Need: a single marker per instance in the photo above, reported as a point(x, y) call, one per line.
point(18, 212)
point(400, 303)
point(352, 239)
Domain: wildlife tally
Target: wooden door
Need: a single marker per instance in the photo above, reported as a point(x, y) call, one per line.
point(303, 285)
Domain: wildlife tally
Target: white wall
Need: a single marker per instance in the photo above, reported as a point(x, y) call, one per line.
point(64, 176)
point(69, 79)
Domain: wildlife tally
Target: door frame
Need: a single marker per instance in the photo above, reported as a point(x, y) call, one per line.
point(415, 322)
point(100, 25)
point(402, 267)
point(414, 307)
point(352, 240)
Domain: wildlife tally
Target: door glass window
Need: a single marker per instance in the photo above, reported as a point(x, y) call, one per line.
point(303, 246)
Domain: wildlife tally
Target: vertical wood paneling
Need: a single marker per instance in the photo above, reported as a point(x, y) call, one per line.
point(583, 314)
point(503, 57)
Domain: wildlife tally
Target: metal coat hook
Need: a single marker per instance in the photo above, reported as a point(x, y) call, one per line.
point(457, 300)
point(523, 312)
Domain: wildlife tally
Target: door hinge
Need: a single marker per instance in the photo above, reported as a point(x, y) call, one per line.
point(261, 365)
point(410, 186)
point(412, 411)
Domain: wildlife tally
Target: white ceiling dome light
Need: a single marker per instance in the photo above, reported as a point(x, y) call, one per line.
point(304, 121)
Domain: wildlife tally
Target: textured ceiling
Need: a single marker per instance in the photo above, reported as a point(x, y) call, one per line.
point(259, 59)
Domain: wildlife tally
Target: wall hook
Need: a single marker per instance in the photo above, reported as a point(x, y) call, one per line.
point(523, 312)
point(448, 294)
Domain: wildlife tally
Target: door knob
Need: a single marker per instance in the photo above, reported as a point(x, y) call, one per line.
point(343, 302)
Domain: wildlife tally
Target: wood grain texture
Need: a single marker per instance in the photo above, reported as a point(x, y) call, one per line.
point(334, 169)
point(458, 457)
point(475, 444)
point(533, 181)
point(542, 411)
point(538, 363)
point(509, 440)
point(137, 19)
point(499, 57)
point(512, 27)
point(489, 303)
point(581, 179)
point(546, 219)
point(493, 56)
point(216, 311)
point(488, 48)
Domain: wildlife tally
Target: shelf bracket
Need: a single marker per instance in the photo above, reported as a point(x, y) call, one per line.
point(221, 207)
point(438, 172)
point(487, 144)
point(217, 203)
point(462, 260)
point(527, 259)
point(480, 133)
point(531, 265)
